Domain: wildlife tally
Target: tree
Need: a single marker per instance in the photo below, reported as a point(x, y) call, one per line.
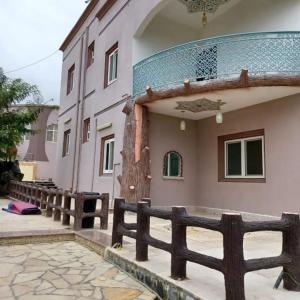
point(14, 122)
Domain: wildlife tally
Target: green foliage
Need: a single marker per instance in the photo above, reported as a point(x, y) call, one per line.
point(14, 122)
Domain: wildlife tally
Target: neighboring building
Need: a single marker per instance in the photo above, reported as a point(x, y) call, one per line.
point(37, 153)
point(169, 146)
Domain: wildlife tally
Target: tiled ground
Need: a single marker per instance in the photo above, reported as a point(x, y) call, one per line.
point(63, 271)
point(202, 281)
point(11, 222)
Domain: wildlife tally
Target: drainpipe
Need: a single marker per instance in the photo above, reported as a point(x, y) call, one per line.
point(84, 61)
point(94, 162)
point(77, 111)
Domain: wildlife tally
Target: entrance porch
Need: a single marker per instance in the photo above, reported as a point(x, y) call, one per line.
point(248, 163)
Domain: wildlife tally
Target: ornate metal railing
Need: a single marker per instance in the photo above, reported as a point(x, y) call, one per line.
point(221, 57)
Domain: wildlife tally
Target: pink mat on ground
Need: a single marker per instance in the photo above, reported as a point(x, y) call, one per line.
point(22, 208)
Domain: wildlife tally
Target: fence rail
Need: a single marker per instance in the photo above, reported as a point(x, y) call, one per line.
point(57, 203)
point(233, 265)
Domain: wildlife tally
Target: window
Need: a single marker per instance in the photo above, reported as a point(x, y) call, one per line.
point(107, 155)
point(172, 164)
point(66, 142)
point(91, 53)
point(52, 133)
point(86, 130)
point(70, 83)
point(243, 157)
point(111, 65)
point(27, 135)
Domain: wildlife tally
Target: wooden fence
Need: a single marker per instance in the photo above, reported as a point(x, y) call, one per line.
point(233, 265)
point(57, 203)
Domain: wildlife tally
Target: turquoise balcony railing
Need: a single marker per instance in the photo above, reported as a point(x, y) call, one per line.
point(217, 58)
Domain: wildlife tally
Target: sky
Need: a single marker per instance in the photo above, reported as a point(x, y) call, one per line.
point(32, 30)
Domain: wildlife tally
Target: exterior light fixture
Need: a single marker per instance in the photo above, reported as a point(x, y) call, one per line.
point(204, 16)
point(219, 114)
point(204, 6)
point(182, 123)
point(204, 19)
point(219, 117)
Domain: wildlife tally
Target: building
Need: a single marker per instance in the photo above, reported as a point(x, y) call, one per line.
point(189, 105)
point(37, 153)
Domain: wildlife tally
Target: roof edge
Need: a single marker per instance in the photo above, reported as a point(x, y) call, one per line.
point(78, 24)
point(100, 14)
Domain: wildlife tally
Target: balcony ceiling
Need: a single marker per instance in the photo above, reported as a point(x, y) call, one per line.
point(234, 99)
point(177, 12)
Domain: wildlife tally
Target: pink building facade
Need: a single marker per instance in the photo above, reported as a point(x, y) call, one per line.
point(39, 150)
point(243, 67)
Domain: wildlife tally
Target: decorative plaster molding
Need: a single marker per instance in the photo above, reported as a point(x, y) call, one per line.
point(210, 6)
point(104, 126)
point(199, 105)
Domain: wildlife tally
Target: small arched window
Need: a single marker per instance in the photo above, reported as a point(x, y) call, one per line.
point(172, 164)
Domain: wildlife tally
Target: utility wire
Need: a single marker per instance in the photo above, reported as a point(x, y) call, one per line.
point(32, 64)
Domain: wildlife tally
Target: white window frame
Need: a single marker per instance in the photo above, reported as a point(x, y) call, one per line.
point(111, 153)
point(53, 133)
point(70, 79)
point(179, 176)
point(111, 69)
point(88, 131)
point(243, 157)
point(67, 143)
point(26, 136)
point(91, 53)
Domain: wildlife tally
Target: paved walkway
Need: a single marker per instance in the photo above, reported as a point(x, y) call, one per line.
point(63, 271)
point(11, 222)
point(204, 282)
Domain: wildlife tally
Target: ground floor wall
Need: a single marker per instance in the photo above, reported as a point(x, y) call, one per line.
point(165, 136)
point(109, 122)
point(198, 146)
point(280, 120)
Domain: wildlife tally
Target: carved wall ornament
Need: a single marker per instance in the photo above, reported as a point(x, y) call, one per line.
point(210, 6)
point(199, 105)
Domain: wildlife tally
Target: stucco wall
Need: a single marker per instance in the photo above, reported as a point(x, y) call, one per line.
point(256, 15)
point(281, 121)
point(38, 144)
point(159, 35)
point(198, 146)
point(165, 136)
point(121, 24)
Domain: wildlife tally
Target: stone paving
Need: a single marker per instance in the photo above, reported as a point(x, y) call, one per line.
point(206, 283)
point(63, 271)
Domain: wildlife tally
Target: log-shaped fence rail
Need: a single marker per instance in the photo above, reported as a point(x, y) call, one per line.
point(58, 203)
point(231, 226)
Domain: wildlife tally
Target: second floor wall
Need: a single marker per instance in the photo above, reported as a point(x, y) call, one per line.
point(141, 28)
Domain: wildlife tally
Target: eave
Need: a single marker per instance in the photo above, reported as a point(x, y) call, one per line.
point(100, 14)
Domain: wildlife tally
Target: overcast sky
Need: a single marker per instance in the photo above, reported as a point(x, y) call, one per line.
point(31, 30)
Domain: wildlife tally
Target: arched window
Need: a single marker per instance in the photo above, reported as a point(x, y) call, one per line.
point(172, 164)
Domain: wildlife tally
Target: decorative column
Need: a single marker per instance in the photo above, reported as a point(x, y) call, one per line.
point(136, 178)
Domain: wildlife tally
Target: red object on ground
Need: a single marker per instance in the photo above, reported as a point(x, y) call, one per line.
point(22, 208)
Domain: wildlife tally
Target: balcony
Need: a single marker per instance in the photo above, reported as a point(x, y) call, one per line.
point(267, 53)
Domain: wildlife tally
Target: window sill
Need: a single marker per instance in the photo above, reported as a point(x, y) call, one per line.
point(172, 178)
point(243, 180)
point(108, 174)
point(110, 83)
